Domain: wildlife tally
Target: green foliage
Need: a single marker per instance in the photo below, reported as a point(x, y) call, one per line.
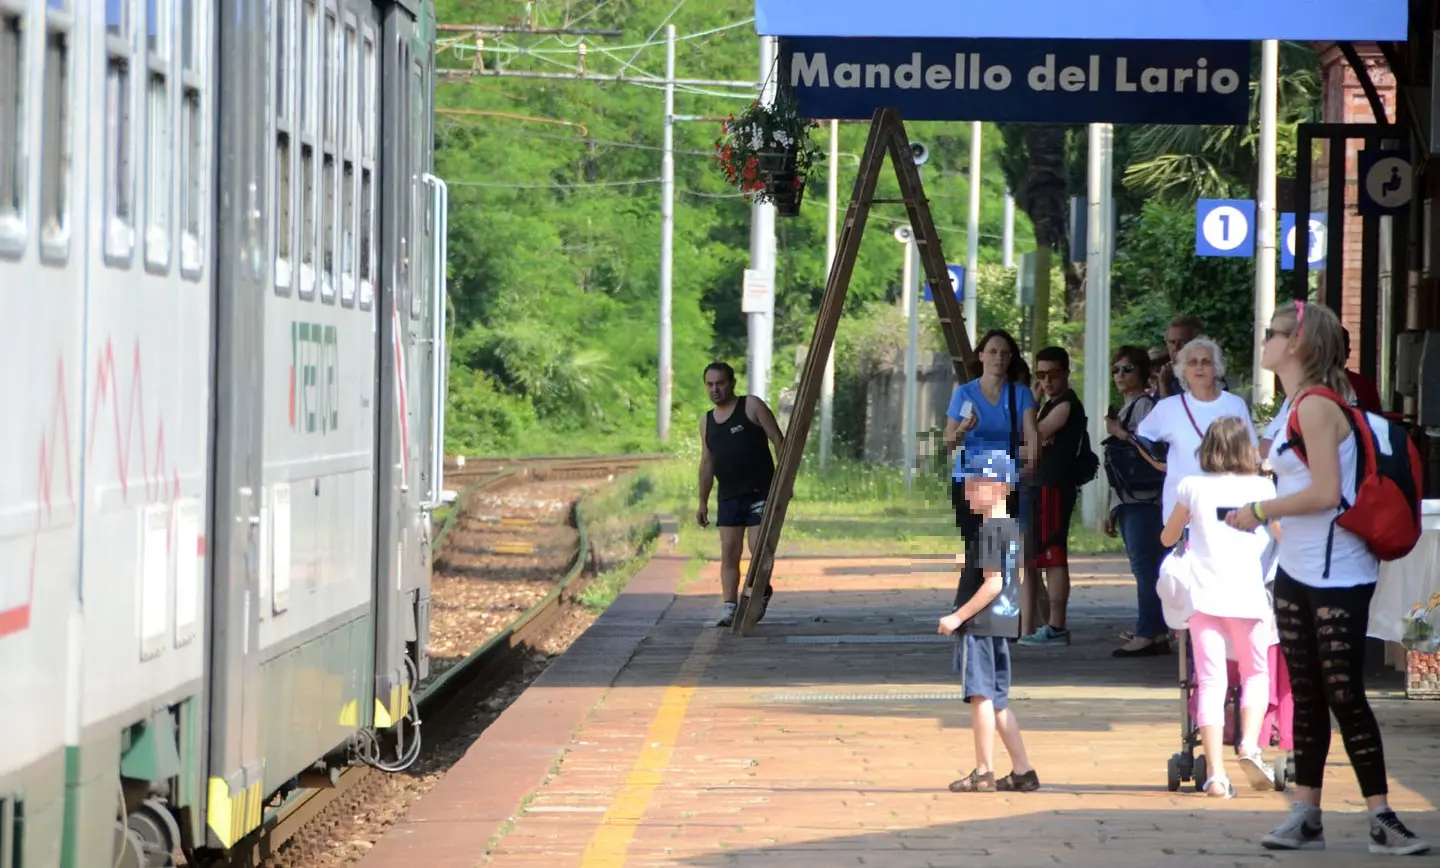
point(1157, 276)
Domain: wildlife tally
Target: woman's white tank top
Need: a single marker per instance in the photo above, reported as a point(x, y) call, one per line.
point(1305, 539)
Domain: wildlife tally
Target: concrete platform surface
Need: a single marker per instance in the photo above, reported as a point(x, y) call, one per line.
point(829, 737)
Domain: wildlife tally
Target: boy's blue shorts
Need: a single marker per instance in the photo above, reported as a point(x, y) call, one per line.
point(984, 666)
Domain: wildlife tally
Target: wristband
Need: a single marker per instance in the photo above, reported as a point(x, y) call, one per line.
point(1257, 511)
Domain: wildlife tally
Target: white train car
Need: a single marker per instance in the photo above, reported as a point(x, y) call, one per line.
point(226, 258)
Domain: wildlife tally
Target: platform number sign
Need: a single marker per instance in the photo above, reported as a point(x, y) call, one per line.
point(1225, 227)
point(957, 279)
point(1290, 241)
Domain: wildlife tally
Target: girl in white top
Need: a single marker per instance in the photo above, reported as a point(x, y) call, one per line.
point(1180, 420)
point(1324, 582)
point(1227, 593)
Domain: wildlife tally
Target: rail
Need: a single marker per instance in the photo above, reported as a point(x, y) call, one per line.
point(480, 672)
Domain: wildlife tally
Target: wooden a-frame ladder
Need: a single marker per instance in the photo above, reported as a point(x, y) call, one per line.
point(887, 134)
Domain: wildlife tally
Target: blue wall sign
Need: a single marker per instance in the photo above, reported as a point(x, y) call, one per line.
point(1387, 181)
point(1242, 20)
point(1290, 241)
point(957, 278)
point(1224, 227)
point(1068, 81)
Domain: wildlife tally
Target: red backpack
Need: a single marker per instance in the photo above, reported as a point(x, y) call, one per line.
point(1384, 509)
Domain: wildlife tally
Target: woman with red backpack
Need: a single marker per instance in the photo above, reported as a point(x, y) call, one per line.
point(1326, 576)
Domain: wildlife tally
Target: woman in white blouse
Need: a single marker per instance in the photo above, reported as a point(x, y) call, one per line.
point(1180, 421)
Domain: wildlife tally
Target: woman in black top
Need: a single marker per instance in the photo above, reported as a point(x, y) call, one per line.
point(1061, 423)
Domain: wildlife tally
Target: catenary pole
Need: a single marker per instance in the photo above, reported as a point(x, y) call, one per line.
point(667, 241)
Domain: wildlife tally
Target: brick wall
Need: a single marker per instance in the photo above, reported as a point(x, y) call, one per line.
point(1344, 101)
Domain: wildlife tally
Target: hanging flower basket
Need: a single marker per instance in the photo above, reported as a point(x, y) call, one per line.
point(767, 154)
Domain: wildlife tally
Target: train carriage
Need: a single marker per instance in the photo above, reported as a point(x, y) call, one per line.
point(224, 250)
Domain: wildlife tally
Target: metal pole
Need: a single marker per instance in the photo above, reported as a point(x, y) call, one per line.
point(912, 355)
point(1263, 382)
point(1099, 176)
point(762, 250)
point(667, 239)
point(832, 208)
point(972, 232)
point(1008, 242)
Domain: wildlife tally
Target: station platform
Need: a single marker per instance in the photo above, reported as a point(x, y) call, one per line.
point(830, 736)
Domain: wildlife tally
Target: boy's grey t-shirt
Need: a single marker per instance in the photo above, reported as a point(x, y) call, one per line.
point(998, 547)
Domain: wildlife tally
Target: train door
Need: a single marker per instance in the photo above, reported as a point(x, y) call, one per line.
point(401, 566)
point(232, 796)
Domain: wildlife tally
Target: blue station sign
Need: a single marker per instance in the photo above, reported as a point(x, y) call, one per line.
point(1241, 20)
point(1071, 81)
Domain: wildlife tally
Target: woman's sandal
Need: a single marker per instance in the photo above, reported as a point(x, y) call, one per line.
point(974, 783)
point(1227, 793)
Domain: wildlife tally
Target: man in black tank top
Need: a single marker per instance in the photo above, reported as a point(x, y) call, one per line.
point(734, 450)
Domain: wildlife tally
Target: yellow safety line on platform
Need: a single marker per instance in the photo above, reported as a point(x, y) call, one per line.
point(611, 841)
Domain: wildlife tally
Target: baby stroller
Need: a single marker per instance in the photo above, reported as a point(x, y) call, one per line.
point(1275, 730)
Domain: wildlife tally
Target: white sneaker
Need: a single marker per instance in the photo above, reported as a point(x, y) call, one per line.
point(1260, 773)
point(728, 617)
point(1301, 830)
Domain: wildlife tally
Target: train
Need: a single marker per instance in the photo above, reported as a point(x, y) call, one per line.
point(222, 243)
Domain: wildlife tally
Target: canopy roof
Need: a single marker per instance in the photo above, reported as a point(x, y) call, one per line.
point(1301, 20)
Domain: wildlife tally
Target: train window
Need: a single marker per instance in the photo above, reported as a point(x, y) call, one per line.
point(349, 133)
point(310, 39)
point(55, 143)
point(284, 153)
point(159, 153)
point(12, 130)
point(370, 110)
point(329, 203)
point(192, 147)
point(119, 225)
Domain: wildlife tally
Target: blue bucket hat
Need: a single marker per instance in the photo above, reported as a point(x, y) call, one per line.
point(991, 464)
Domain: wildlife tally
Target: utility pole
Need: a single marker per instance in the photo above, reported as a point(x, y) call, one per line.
point(1099, 180)
point(972, 233)
point(762, 251)
point(665, 379)
point(832, 210)
point(1008, 242)
point(1262, 390)
point(667, 239)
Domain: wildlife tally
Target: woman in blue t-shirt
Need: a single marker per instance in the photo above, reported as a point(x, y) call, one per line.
point(980, 419)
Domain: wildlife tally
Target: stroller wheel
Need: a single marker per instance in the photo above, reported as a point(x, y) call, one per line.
point(1281, 776)
point(1202, 772)
point(1173, 776)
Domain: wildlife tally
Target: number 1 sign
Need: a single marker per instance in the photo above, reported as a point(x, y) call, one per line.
point(1223, 227)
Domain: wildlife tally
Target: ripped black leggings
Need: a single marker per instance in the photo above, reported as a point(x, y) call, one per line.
point(1322, 634)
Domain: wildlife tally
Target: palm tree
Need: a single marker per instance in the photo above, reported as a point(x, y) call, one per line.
point(1184, 163)
point(1036, 167)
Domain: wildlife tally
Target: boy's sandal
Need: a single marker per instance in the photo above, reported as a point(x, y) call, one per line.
point(974, 783)
point(1026, 783)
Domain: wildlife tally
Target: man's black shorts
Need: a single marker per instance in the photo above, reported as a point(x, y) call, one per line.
point(743, 511)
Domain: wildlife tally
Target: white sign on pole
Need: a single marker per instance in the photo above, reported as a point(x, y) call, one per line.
point(759, 293)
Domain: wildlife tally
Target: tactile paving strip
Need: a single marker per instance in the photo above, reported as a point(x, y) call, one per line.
point(936, 696)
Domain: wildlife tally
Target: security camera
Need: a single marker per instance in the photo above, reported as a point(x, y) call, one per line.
point(919, 153)
point(904, 235)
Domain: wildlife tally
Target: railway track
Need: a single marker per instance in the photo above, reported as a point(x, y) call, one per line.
point(463, 684)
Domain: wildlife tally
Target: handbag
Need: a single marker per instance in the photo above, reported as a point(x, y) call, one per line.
point(1176, 580)
point(1127, 471)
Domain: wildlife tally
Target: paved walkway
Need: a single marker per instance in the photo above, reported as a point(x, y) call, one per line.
point(828, 739)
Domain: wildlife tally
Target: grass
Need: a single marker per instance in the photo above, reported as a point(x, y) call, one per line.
point(852, 508)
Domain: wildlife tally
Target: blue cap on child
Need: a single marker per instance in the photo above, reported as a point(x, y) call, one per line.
point(991, 464)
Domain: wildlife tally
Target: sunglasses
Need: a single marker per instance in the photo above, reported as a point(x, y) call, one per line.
point(1273, 333)
point(1122, 369)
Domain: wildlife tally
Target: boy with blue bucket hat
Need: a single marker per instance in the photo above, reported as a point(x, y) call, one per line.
point(986, 618)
